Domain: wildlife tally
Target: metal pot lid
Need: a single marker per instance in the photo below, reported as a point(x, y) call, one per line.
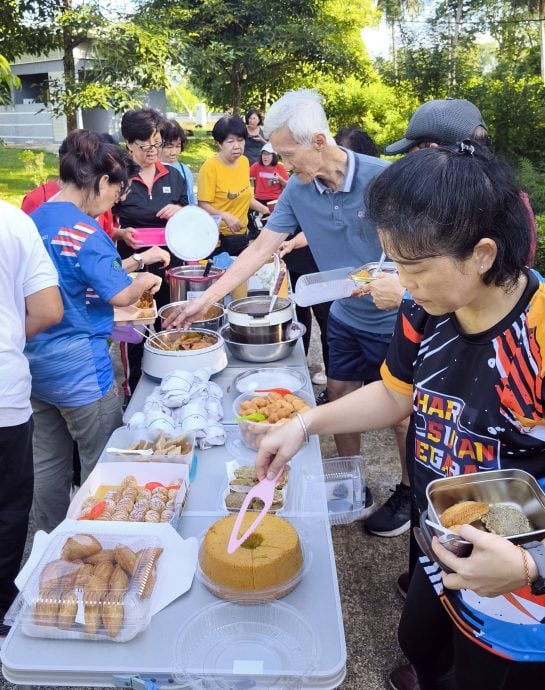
point(191, 234)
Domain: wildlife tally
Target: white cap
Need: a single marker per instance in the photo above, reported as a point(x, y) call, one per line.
point(267, 148)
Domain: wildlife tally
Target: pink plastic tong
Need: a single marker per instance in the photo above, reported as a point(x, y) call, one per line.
point(265, 491)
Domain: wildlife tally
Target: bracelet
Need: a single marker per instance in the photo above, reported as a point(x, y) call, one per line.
point(303, 426)
point(526, 566)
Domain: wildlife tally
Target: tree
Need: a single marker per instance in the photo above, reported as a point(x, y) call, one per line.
point(126, 59)
point(237, 51)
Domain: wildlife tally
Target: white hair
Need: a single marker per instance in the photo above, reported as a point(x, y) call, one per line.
point(302, 113)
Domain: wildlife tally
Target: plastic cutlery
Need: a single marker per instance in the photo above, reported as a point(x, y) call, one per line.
point(382, 259)
point(126, 451)
point(265, 491)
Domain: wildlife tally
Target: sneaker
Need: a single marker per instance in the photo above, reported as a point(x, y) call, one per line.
point(319, 378)
point(322, 398)
point(394, 517)
point(404, 678)
point(369, 504)
point(403, 582)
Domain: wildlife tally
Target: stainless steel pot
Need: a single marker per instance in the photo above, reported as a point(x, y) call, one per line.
point(213, 321)
point(264, 352)
point(186, 281)
point(251, 322)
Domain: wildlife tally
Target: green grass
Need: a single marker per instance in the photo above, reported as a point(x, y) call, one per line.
point(15, 181)
point(198, 148)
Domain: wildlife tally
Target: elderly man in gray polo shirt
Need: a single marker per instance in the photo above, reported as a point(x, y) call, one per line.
point(326, 197)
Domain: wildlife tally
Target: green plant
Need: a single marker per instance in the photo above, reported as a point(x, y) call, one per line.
point(34, 165)
point(539, 262)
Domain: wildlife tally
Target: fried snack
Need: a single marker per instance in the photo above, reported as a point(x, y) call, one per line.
point(67, 610)
point(92, 617)
point(104, 570)
point(275, 407)
point(126, 558)
point(84, 574)
point(113, 613)
point(463, 513)
point(119, 580)
point(95, 587)
point(145, 301)
point(103, 556)
point(46, 608)
point(79, 547)
point(59, 574)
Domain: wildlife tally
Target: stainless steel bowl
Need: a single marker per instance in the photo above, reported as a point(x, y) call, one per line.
point(263, 352)
point(215, 320)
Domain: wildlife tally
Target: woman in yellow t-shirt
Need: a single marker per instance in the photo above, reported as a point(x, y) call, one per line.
point(224, 188)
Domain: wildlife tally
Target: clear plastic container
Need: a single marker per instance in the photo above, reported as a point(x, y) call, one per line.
point(241, 576)
point(164, 445)
point(89, 587)
point(326, 286)
point(252, 432)
point(365, 274)
point(230, 647)
point(240, 479)
point(271, 377)
point(344, 480)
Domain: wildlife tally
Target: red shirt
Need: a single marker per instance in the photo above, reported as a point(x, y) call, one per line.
point(266, 187)
point(45, 191)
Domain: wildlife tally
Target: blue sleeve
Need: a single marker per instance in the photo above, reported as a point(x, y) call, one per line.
point(101, 266)
point(283, 218)
point(189, 181)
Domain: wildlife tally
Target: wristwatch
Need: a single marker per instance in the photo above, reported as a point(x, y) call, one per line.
point(537, 550)
point(139, 260)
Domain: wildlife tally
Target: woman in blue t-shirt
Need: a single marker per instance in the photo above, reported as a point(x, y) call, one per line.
point(74, 396)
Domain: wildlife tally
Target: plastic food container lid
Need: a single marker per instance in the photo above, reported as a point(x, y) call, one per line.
point(53, 604)
point(326, 286)
point(191, 234)
point(230, 647)
point(274, 377)
point(344, 480)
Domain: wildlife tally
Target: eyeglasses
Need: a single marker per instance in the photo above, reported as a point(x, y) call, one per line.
point(148, 148)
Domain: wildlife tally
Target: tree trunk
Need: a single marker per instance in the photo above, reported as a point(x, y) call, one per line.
point(394, 49)
point(542, 37)
point(236, 92)
point(69, 67)
point(457, 27)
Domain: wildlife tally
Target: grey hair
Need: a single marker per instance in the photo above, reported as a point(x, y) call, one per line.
point(302, 113)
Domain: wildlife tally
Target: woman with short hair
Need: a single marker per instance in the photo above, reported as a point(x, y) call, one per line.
point(466, 361)
point(224, 185)
point(74, 395)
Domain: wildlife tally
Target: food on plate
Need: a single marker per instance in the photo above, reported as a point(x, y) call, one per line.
point(190, 340)
point(132, 503)
point(362, 276)
point(463, 513)
point(145, 301)
point(500, 518)
point(245, 479)
point(506, 520)
point(270, 558)
point(163, 445)
point(78, 596)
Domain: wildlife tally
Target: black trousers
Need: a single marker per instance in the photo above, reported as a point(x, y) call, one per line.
point(16, 489)
point(304, 316)
point(445, 659)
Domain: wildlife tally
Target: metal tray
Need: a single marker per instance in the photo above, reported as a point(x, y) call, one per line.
point(513, 487)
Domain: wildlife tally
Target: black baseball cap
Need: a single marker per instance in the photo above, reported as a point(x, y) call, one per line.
point(443, 122)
